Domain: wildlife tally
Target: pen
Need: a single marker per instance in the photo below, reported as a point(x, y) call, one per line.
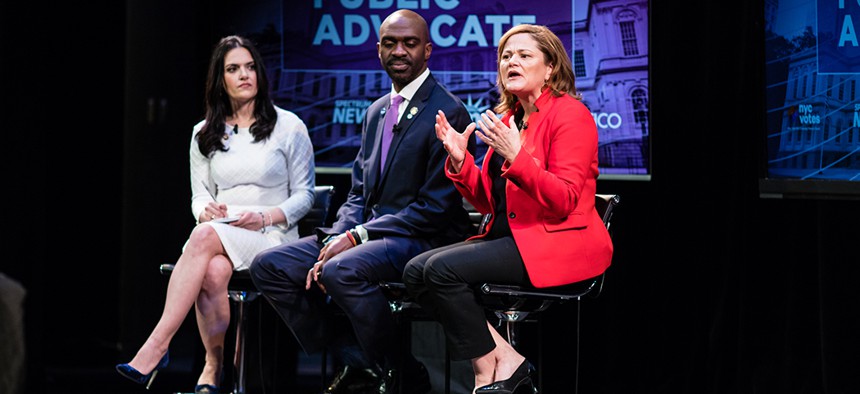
point(211, 217)
point(205, 186)
point(225, 219)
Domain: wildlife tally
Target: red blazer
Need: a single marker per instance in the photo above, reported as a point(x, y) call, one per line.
point(550, 196)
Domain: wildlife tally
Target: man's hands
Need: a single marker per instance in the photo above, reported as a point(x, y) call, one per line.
point(331, 249)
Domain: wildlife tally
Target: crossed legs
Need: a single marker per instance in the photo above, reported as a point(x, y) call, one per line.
point(213, 317)
point(200, 277)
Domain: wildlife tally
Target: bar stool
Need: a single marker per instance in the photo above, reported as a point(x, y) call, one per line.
point(514, 304)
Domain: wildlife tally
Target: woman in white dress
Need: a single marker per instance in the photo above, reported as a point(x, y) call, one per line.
point(252, 179)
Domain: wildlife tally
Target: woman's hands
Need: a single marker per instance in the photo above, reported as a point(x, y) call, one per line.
point(213, 211)
point(503, 139)
point(254, 221)
point(454, 142)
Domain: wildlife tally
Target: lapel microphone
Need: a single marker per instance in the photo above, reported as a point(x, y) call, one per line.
point(395, 128)
point(236, 128)
point(522, 125)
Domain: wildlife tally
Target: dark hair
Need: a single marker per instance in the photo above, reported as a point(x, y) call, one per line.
point(561, 80)
point(218, 107)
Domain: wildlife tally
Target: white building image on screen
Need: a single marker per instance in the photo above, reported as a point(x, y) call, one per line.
point(610, 60)
point(820, 135)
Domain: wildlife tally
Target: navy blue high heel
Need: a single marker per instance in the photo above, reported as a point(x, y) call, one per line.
point(205, 389)
point(129, 372)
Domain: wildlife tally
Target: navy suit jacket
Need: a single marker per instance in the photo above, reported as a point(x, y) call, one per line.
point(411, 197)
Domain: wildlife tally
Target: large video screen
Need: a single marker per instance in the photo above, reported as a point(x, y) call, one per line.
point(812, 53)
point(324, 66)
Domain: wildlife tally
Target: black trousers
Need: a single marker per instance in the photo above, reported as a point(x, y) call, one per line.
point(351, 280)
point(443, 281)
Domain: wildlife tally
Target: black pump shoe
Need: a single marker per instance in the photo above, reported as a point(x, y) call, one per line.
point(521, 379)
point(414, 380)
point(354, 380)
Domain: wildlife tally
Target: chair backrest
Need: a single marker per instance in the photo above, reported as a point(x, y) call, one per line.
point(316, 217)
point(605, 204)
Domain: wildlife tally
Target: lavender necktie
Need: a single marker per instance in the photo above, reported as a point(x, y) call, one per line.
point(388, 127)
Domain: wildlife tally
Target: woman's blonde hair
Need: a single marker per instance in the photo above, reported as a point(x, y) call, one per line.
point(561, 80)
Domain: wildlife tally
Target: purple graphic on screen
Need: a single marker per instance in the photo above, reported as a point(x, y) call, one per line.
point(325, 67)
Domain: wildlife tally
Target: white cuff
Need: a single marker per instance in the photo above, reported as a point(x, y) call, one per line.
point(362, 233)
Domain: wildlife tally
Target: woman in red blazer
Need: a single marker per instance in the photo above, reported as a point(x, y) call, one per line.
point(538, 180)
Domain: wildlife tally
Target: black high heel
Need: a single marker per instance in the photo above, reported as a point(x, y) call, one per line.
point(521, 379)
point(134, 375)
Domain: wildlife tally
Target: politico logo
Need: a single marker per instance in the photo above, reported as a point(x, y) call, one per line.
point(607, 120)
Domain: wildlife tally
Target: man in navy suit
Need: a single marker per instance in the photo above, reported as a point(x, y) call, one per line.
point(394, 211)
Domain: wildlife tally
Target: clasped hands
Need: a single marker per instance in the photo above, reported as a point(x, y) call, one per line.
point(333, 248)
point(496, 134)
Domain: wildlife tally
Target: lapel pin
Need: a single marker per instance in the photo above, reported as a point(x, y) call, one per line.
point(412, 112)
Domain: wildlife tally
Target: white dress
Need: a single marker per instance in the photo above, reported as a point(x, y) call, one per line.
point(249, 176)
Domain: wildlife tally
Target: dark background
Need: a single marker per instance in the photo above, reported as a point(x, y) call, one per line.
point(712, 289)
